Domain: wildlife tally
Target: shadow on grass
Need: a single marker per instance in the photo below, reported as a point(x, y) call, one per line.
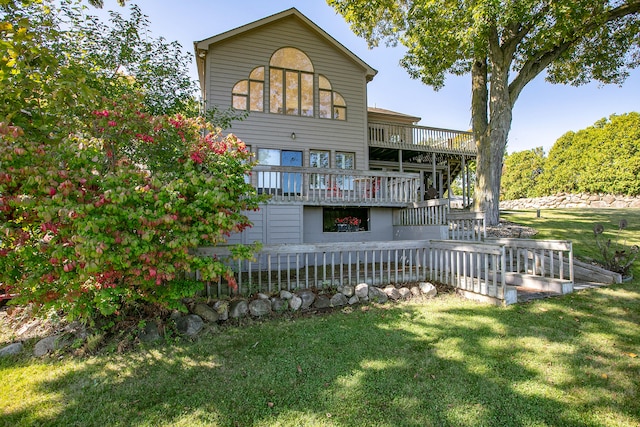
point(557, 362)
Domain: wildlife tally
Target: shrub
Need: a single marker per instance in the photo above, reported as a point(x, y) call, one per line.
point(102, 220)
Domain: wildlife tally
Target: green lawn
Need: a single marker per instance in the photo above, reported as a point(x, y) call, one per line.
point(566, 361)
point(577, 225)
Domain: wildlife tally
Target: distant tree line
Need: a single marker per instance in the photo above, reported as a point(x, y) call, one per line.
point(603, 158)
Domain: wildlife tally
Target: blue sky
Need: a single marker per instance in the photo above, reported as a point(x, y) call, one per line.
point(542, 114)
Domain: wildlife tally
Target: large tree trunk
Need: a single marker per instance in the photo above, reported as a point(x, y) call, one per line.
point(479, 113)
point(491, 140)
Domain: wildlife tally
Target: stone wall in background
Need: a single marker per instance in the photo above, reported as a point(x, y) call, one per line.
point(563, 200)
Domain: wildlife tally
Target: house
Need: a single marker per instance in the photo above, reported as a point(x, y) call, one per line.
point(336, 170)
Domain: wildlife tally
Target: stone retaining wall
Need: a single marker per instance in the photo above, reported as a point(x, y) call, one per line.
point(563, 200)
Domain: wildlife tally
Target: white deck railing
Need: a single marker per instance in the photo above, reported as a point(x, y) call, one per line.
point(467, 226)
point(473, 267)
point(394, 135)
point(429, 212)
point(336, 186)
point(542, 258)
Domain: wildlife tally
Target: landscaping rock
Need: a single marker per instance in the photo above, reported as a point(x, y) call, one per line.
point(377, 295)
point(48, 345)
point(150, 333)
point(415, 291)
point(354, 300)
point(238, 308)
point(308, 298)
point(279, 305)
point(77, 329)
point(259, 307)
point(222, 307)
point(286, 295)
point(295, 303)
point(11, 349)
point(207, 313)
point(428, 289)
point(262, 295)
point(362, 291)
point(405, 293)
point(392, 292)
point(175, 315)
point(190, 325)
point(346, 290)
point(322, 301)
point(338, 300)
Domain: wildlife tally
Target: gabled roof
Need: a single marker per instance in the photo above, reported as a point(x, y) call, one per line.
point(382, 114)
point(203, 45)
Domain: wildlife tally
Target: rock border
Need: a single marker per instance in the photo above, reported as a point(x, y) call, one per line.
point(218, 312)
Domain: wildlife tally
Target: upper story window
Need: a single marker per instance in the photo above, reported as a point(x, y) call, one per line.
point(291, 88)
point(249, 94)
point(332, 105)
point(291, 83)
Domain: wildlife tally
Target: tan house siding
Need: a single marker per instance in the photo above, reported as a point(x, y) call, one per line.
point(232, 59)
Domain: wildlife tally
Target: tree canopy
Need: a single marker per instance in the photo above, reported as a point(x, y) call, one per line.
point(502, 45)
point(522, 172)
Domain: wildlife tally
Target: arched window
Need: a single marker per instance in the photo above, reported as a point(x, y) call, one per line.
point(249, 94)
point(291, 83)
point(332, 104)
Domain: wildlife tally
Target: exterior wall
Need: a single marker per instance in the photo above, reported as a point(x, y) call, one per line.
point(380, 223)
point(272, 224)
point(233, 59)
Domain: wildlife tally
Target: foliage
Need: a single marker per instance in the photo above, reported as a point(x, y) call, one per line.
point(86, 230)
point(103, 201)
point(603, 158)
point(521, 173)
point(503, 46)
point(616, 255)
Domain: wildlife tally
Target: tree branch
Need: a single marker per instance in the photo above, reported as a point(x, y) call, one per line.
point(536, 65)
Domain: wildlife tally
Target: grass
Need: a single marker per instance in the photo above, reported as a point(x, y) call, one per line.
point(566, 361)
point(577, 225)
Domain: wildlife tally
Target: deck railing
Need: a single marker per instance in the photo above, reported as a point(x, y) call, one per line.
point(467, 226)
point(393, 135)
point(473, 267)
point(428, 212)
point(542, 258)
point(336, 186)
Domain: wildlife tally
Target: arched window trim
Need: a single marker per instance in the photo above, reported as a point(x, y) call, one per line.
point(254, 87)
point(332, 110)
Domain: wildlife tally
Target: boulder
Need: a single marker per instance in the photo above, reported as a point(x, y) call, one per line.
point(222, 307)
point(322, 301)
point(260, 307)
point(415, 291)
point(190, 325)
point(150, 333)
point(346, 290)
point(338, 300)
point(205, 312)
point(377, 295)
point(286, 295)
point(354, 300)
point(238, 308)
point(262, 295)
point(428, 289)
point(405, 293)
point(11, 349)
point(392, 292)
point(279, 305)
point(362, 291)
point(48, 345)
point(295, 303)
point(308, 298)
